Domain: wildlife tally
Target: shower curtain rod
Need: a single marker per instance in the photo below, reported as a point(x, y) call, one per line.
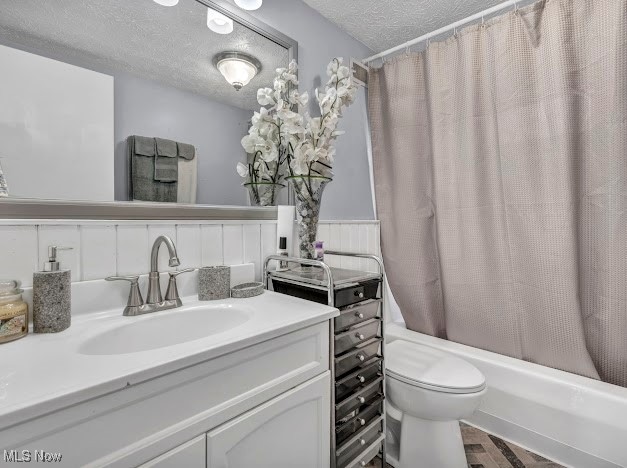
point(437, 32)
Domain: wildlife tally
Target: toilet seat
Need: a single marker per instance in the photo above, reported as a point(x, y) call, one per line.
point(429, 368)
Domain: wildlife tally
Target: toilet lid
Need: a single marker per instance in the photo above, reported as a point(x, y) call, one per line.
point(430, 368)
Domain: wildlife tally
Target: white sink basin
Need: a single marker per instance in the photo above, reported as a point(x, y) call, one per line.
point(167, 328)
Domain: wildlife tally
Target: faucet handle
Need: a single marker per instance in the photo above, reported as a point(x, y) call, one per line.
point(174, 274)
point(172, 293)
point(133, 279)
point(135, 298)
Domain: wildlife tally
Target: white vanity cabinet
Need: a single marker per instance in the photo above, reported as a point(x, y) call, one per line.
point(290, 431)
point(189, 455)
point(264, 404)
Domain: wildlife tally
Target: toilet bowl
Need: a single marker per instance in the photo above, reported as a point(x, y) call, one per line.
point(429, 391)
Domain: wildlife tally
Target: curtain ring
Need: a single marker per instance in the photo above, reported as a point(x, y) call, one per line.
point(428, 42)
point(455, 32)
point(407, 50)
point(482, 22)
point(515, 8)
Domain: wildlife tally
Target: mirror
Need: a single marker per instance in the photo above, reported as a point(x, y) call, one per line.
point(104, 100)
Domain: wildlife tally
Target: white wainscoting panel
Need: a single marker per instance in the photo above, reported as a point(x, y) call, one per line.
point(350, 236)
point(104, 248)
point(19, 253)
point(211, 239)
point(132, 249)
point(189, 245)
point(252, 247)
point(233, 244)
point(98, 251)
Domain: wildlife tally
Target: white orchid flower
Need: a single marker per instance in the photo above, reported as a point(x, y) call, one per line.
point(333, 66)
point(269, 151)
point(291, 78)
point(250, 143)
point(265, 96)
point(242, 169)
point(343, 72)
point(320, 153)
point(280, 85)
point(300, 166)
point(331, 154)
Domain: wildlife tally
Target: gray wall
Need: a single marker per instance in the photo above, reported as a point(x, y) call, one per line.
point(319, 40)
point(148, 108)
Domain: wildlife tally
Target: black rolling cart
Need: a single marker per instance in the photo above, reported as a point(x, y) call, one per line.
point(357, 349)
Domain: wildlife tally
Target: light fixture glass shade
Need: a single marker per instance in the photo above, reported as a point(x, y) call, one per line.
point(248, 4)
point(219, 23)
point(167, 2)
point(237, 68)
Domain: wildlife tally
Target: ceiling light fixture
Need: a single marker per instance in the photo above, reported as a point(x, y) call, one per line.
point(248, 4)
point(167, 2)
point(219, 23)
point(237, 68)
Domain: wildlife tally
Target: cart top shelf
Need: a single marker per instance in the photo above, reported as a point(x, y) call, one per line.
point(316, 276)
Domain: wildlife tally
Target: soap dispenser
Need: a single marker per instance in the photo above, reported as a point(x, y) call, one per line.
point(52, 301)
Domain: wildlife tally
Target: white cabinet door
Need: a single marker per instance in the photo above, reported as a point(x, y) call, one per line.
point(292, 430)
point(189, 455)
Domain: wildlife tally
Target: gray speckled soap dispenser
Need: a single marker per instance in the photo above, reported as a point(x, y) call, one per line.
point(52, 300)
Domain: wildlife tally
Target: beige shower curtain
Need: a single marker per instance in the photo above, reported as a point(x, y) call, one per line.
point(500, 167)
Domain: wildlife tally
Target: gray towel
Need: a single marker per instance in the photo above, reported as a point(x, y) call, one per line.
point(166, 161)
point(144, 145)
point(186, 151)
point(142, 185)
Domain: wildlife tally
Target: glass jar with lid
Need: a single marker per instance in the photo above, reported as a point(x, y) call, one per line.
point(13, 311)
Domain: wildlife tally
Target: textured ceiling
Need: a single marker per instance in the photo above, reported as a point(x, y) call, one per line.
point(171, 45)
point(382, 24)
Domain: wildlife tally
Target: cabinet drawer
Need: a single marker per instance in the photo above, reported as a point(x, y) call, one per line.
point(362, 376)
point(358, 399)
point(372, 451)
point(362, 353)
point(356, 335)
point(366, 415)
point(355, 314)
point(354, 446)
point(357, 293)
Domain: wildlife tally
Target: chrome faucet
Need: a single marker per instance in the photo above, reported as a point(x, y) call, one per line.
point(154, 301)
point(154, 287)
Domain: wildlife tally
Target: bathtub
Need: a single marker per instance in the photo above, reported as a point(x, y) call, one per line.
point(576, 421)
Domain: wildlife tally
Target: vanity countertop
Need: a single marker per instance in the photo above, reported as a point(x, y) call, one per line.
point(45, 373)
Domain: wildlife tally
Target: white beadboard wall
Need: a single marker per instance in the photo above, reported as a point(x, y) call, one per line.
point(104, 248)
point(350, 236)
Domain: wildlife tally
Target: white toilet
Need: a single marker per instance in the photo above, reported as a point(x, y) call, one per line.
point(429, 391)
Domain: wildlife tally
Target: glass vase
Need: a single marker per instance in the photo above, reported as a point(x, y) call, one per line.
point(263, 193)
point(308, 191)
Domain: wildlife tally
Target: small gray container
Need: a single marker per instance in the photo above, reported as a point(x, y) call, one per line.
point(214, 283)
point(246, 290)
point(52, 301)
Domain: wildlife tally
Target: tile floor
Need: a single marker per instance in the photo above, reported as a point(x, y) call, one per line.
point(487, 451)
point(484, 450)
